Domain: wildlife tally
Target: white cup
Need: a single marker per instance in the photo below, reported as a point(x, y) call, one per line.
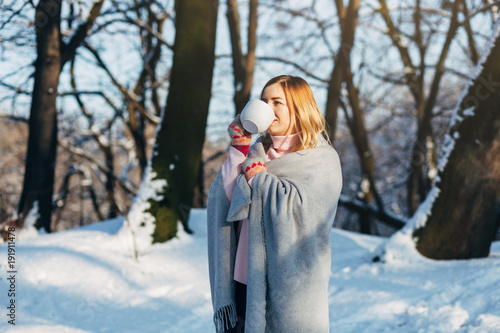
point(257, 116)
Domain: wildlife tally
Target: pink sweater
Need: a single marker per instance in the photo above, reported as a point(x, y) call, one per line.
point(230, 170)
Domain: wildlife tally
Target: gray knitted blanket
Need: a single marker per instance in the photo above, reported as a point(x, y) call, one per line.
point(291, 208)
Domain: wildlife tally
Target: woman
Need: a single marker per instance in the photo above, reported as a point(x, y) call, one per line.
point(270, 212)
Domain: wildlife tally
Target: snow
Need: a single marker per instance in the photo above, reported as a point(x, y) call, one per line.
point(139, 222)
point(458, 113)
point(401, 245)
point(29, 229)
point(469, 112)
point(87, 280)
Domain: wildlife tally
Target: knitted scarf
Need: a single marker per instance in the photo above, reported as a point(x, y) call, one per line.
point(291, 207)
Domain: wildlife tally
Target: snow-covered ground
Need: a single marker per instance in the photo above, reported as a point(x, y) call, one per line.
point(87, 280)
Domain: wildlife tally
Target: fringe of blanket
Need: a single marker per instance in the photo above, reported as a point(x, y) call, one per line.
point(224, 317)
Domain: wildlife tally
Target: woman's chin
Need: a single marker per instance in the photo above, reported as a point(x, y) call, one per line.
point(275, 133)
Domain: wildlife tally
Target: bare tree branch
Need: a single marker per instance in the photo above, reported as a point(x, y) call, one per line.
point(80, 152)
point(14, 14)
point(69, 49)
point(18, 90)
point(129, 95)
point(141, 24)
point(481, 10)
point(470, 36)
point(382, 215)
point(295, 65)
point(395, 35)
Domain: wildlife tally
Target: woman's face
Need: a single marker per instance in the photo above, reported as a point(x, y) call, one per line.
point(275, 97)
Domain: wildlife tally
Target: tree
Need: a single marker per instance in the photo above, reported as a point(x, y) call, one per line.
point(243, 65)
point(342, 73)
point(348, 19)
point(177, 155)
point(462, 220)
point(98, 139)
point(424, 148)
point(52, 54)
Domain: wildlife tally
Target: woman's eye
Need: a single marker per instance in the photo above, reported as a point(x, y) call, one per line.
point(277, 103)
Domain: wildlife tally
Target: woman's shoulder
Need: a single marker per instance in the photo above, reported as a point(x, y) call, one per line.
point(324, 147)
point(325, 157)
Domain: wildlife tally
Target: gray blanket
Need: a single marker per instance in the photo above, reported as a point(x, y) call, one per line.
point(291, 207)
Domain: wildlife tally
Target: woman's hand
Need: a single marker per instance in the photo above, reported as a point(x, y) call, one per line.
point(252, 165)
point(240, 138)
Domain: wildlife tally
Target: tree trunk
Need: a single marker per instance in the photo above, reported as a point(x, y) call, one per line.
point(423, 153)
point(177, 154)
point(110, 184)
point(360, 137)
point(348, 21)
point(41, 155)
point(462, 221)
point(342, 73)
point(52, 54)
point(151, 56)
point(243, 65)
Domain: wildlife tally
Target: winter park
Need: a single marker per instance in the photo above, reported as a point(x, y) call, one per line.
point(249, 166)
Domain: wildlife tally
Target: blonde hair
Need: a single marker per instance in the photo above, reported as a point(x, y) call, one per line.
point(305, 116)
